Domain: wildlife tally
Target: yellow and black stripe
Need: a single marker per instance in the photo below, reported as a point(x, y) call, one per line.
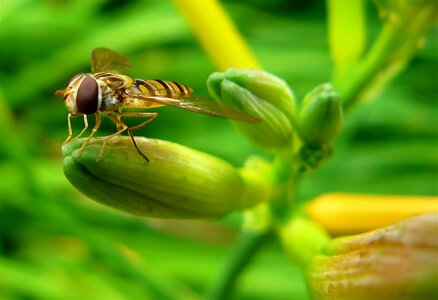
point(163, 88)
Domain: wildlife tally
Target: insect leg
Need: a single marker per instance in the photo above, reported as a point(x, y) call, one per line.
point(120, 125)
point(93, 131)
point(151, 116)
point(85, 128)
point(119, 117)
point(70, 132)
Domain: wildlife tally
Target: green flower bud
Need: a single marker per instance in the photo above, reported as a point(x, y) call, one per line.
point(257, 218)
point(302, 239)
point(395, 262)
point(320, 117)
point(262, 95)
point(177, 182)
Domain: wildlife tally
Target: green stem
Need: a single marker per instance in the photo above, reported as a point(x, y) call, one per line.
point(247, 246)
point(284, 178)
point(367, 69)
point(395, 45)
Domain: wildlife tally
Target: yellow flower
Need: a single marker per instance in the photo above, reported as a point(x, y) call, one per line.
point(356, 213)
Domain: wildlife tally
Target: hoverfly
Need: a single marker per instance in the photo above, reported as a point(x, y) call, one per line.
point(106, 92)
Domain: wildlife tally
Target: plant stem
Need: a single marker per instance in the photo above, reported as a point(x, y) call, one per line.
point(244, 251)
point(396, 44)
point(367, 69)
point(283, 178)
point(286, 174)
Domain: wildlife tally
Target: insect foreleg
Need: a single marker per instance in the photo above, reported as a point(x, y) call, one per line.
point(93, 131)
point(70, 132)
point(85, 127)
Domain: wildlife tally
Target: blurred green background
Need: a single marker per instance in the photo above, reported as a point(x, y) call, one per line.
point(57, 244)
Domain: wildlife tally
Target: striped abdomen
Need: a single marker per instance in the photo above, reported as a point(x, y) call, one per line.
point(162, 88)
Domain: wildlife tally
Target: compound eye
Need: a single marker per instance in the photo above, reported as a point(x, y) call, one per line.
point(87, 96)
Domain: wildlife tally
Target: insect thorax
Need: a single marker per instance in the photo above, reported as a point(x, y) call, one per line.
point(110, 87)
point(110, 102)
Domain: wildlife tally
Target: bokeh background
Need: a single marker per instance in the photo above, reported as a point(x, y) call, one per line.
point(56, 244)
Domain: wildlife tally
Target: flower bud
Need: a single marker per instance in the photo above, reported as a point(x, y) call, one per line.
point(320, 117)
point(262, 95)
point(258, 218)
point(302, 239)
point(177, 182)
point(395, 262)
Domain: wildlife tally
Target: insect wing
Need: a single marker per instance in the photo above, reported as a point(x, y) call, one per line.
point(200, 105)
point(105, 60)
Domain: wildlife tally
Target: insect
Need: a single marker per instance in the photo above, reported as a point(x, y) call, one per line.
point(104, 91)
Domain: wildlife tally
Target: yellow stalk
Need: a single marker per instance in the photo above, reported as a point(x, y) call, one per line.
point(346, 26)
point(217, 34)
point(352, 213)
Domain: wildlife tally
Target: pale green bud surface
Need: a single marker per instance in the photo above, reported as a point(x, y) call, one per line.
point(302, 239)
point(177, 182)
point(262, 95)
point(320, 117)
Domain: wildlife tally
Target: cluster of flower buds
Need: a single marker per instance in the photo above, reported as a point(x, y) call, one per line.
point(269, 98)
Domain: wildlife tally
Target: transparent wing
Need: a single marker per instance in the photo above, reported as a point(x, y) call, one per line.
point(199, 105)
point(105, 60)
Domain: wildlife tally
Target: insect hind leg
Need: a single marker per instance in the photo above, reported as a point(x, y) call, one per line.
point(120, 128)
point(151, 116)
